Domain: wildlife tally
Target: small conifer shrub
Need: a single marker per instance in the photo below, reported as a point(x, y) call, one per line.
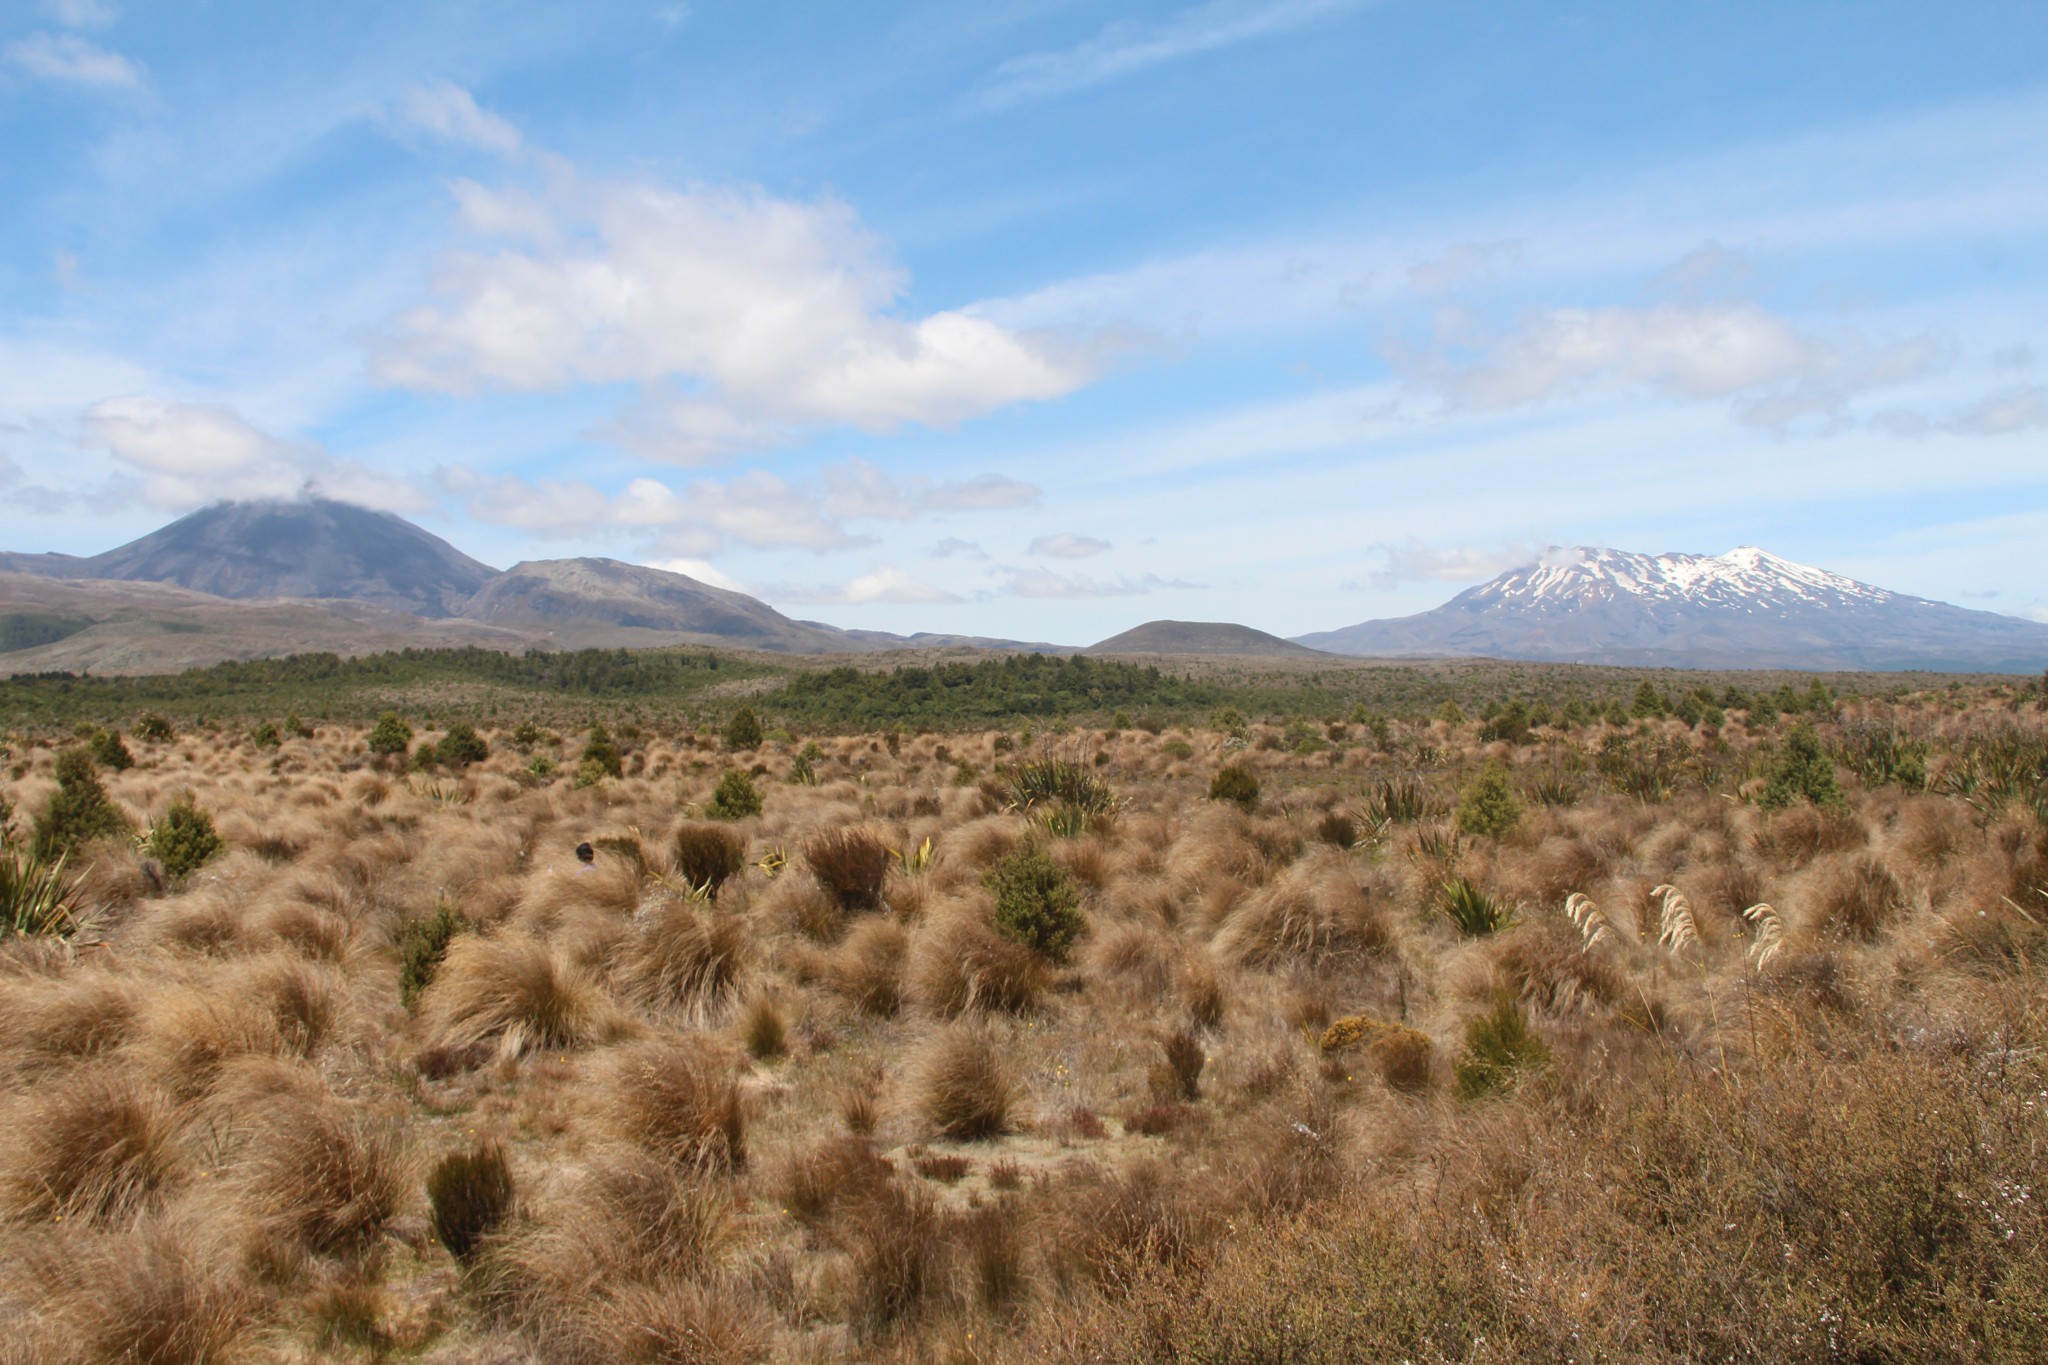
point(736, 797)
point(78, 811)
point(1234, 783)
point(1802, 771)
point(1488, 806)
point(1037, 903)
point(109, 752)
point(422, 944)
point(743, 731)
point(390, 736)
point(266, 736)
point(153, 727)
point(461, 746)
point(600, 754)
point(184, 839)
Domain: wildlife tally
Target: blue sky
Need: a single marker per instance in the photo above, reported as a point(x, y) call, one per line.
point(1043, 319)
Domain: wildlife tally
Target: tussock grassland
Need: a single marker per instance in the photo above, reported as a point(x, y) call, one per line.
point(1638, 1040)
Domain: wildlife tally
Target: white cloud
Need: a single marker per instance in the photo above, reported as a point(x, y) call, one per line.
point(884, 584)
point(68, 57)
point(1044, 583)
point(2019, 408)
point(445, 110)
point(701, 570)
point(1414, 562)
point(954, 547)
point(189, 454)
point(1067, 545)
point(81, 13)
point(1773, 373)
point(758, 509)
point(746, 319)
point(1129, 46)
point(859, 490)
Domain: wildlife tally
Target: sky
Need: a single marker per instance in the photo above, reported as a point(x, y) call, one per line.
point(1043, 319)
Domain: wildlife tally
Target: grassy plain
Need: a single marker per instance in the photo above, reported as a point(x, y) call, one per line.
point(1644, 1041)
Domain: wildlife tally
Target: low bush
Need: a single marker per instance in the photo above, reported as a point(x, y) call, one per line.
point(1499, 1048)
point(1037, 903)
point(78, 812)
point(1488, 806)
point(736, 797)
point(461, 746)
point(184, 839)
point(1234, 783)
point(422, 942)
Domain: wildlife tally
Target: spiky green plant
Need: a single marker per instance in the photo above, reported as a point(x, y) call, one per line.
point(1472, 910)
point(1040, 782)
point(36, 897)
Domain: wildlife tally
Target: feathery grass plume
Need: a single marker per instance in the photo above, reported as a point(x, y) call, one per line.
point(1676, 930)
point(851, 864)
point(706, 856)
point(1588, 919)
point(1770, 934)
point(965, 1087)
point(683, 956)
point(518, 992)
point(1471, 910)
point(100, 1144)
point(471, 1193)
point(678, 1100)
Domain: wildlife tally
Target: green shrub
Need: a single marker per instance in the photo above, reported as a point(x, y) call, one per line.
point(1801, 771)
point(736, 797)
point(1499, 1047)
point(471, 1193)
point(526, 734)
point(1233, 782)
point(1037, 903)
point(184, 839)
point(422, 943)
point(109, 752)
point(390, 736)
point(1487, 805)
point(1177, 748)
point(599, 752)
point(266, 736)
point(78, 811)
point(462, 746)
point(153, 727)
point(1648, 703)
point(296, 727)
point(743, 731)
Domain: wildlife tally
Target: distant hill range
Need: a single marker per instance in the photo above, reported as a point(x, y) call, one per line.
point(1210, 638)
point(259, 579)
point(1745, 609)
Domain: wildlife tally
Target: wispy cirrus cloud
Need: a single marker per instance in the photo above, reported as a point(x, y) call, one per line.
point(884, 584)
point(1044, 583)
point(70, 58)
point(1067, 545)
point(1415, 562)
point(1129, 46)
point(449, 113)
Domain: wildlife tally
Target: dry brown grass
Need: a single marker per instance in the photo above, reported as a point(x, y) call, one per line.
point(677, 1099)
point(738, 1127)
point(966, 1086)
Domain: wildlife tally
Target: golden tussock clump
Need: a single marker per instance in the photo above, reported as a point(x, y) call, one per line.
point(517, 992)
point(961, 963)
point(1401, 1055)
point(676, 1099)
point(1315, 912)
point(966, 1089)
point(319, 1175)
point(100, 1143)
point(682, 956)
point(867, 969)
point(162, 1290)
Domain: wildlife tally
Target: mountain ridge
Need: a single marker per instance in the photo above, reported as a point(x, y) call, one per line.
point(1744, 609)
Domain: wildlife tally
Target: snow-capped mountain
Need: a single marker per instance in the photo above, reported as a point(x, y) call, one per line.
point(1744, 609)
